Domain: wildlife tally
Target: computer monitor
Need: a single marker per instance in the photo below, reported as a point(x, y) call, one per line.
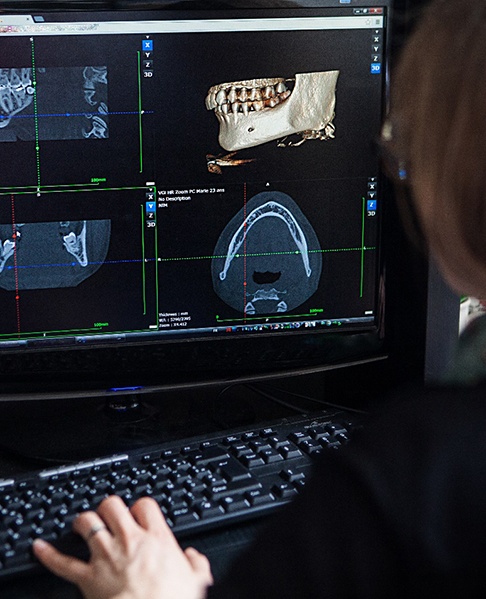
point(189, 197)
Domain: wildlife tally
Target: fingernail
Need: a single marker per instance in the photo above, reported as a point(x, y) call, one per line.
point(39, 544)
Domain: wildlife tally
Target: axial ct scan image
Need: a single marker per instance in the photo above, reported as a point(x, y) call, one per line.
point(268, 258)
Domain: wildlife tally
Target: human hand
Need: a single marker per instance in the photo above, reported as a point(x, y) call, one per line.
point(134, 555)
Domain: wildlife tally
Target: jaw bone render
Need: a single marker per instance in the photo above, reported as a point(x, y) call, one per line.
point(16, 93)
point(256, 111)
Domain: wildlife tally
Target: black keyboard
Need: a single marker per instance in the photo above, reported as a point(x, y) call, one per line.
point(199, 483)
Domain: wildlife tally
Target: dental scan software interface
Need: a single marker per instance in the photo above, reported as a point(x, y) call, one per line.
point(177, 175)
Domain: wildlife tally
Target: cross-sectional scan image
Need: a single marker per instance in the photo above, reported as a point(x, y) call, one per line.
point(55, 103)
point(51, 254)
point(256, 111)
point(267, 259)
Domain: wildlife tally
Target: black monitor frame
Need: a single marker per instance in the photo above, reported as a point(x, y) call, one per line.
point(144, 366)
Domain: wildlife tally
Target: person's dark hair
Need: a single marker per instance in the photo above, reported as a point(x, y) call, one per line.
point(436, 131)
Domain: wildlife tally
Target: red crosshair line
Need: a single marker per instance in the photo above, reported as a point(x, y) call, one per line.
point(16, 271)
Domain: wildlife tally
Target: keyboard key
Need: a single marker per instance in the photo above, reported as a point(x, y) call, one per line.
point(310, 446)
point(234, 503)
point(270, 455)
point(289, 451)
point(241, 449)
point(229, 488)
point(182, 515)
point(233, 470)
point(318, 432)
point(212, 453)
point(251, 460)
point(292, 475)
point(259, 497)
point(298, 437)
point(284, 490)
point(208, 509)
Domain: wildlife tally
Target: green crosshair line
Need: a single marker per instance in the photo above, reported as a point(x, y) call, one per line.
point(144, 292)
point(36, 114)
point(140, 133)
point(363, 248)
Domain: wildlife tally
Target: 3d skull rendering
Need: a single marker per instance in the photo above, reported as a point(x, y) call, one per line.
point(255, 111)
point(268, 258)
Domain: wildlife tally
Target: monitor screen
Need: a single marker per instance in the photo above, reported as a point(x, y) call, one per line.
point(190, 195)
